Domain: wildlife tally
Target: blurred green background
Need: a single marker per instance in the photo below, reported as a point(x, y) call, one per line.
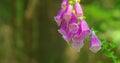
point(28, 32)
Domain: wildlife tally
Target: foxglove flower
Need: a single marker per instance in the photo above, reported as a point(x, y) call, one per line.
point(77, 37)
point(78, 44)
point(68, 36)
point(63, 28)
point(73, 25)
point(64, 4)
point(68, 13)
point(85, 30)
point(77, 40)
point(95, 45)
point(78, 9)
point(59, 17)
point(71, 29)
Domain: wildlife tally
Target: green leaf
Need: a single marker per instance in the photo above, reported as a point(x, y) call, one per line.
point(112, 45)
point(109, 53)
point(104, 45)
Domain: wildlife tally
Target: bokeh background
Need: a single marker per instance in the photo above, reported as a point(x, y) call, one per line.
point(28, 32)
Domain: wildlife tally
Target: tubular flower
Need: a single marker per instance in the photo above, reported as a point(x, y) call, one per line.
point(73, 25)
point(77, 37)
point(59, 17)
point(64, 28)
point(68, 36)
point(78, 45)
point(84, 29)
point(64, 3)
point(78, 9)
point(68, 13)
point(95, 45)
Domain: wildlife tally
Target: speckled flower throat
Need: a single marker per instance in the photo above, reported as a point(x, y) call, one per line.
point(73, 27)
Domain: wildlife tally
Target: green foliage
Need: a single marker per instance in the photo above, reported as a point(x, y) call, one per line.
point(108, 47)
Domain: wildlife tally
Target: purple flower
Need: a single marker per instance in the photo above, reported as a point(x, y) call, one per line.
point(77, 37)
point(78, 9)
point(59, 17)
point(84, 29)
point(95, 45)
point(64, 28)
point(78, 44)
point(68, 13)
point(64, 3)
point(73, 24)
point(68, 36)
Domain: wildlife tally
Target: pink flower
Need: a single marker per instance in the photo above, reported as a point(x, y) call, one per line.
point(73, 25)
point(78, 44)
point(68, 13)
point(84, 29)
point(64, 28)
point(59, 17)
point(78, 9)
point(68, 36)
point(95, 45)
point(64, 4)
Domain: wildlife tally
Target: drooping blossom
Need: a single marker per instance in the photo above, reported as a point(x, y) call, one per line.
point(73, 24)
point(59, 17)
point(64, 4)
point(78, 44)
point(77, 40)
point(68, 36)
point(84, 29)
point(68, 13)
point(63, 28)
point(95, 45)
point(73, 29)
point(77, 37)
point(78, 9)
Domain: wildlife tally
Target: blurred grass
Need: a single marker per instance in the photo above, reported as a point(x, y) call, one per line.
point(28, 32)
